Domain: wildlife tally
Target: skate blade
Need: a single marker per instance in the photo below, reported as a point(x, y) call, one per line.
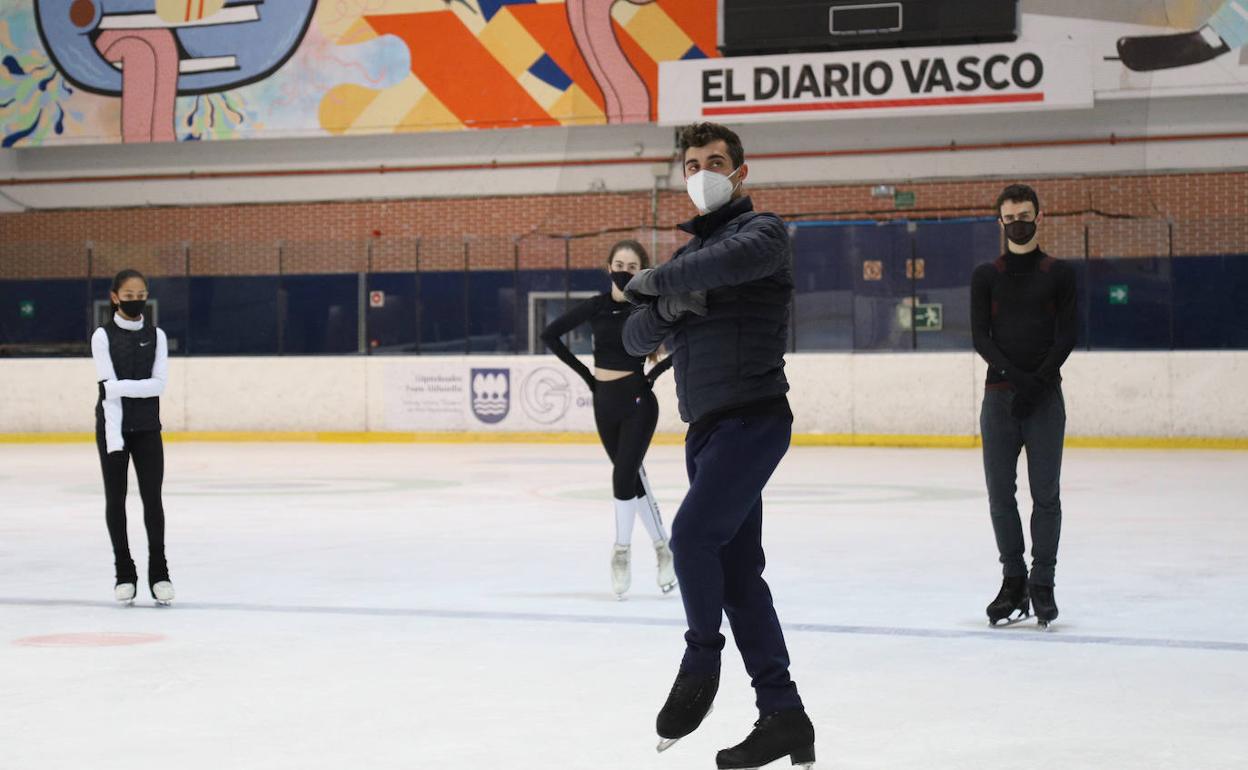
point(667, 743)
point(667, 589)
point(1007, 622)
point(167, 603)
point(1046, 626)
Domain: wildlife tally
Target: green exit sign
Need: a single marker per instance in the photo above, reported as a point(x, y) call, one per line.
point(904, 200)
point(929, 318)
point(924, 317)
point(1119, 294)
point(26, 309)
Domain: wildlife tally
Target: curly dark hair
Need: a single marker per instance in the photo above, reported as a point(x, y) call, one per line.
point(702, 134)
point(1018, 193)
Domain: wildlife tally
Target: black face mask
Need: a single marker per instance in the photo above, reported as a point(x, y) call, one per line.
point(132, 308)
point(621, 279)
point(1020, 233)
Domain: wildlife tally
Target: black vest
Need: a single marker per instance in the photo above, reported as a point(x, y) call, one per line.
point(134, 356)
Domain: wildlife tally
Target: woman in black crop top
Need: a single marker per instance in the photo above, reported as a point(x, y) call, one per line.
point(625, 409)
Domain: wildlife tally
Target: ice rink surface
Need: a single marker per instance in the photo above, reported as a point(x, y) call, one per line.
point(421, 606)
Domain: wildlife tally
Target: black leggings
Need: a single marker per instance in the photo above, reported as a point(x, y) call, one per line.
point(626, 413)
point(148, 451)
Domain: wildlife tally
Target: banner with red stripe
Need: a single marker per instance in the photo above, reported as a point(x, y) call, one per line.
point(1008, 77)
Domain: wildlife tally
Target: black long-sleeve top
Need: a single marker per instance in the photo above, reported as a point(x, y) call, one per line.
point(606, 319)
point(1023, 316)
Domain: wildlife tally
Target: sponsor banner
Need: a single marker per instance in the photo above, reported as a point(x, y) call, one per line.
point(519, 394)
point(896, 82)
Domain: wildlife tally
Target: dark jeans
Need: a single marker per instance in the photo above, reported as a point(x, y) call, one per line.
point(148, 451)
point(1005, 436)
point(626, 413)
point(717, 540)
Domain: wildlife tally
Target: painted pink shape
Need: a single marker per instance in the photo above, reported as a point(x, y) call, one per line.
point(90, 639)
point(626, 94)
point(149, 81)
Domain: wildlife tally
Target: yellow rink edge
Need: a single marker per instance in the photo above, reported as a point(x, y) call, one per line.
point(481, 437)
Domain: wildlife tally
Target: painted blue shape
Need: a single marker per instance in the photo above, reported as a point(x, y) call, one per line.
point(230, 54)
point(18, 136)
point(1231, 24)
point(545, 70)
point(491, 7)
point(693, 53)
point(12, 66)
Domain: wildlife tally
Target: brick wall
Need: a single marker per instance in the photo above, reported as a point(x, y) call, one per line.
point(1138, 216)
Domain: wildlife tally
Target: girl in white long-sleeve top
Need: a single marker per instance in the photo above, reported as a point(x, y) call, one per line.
point(132, 364)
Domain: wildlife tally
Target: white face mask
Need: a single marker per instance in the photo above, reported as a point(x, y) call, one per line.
point(710, 191)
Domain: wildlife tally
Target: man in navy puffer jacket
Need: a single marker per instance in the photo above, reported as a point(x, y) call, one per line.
point(723, 301)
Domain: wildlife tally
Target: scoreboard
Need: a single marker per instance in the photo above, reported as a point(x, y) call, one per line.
point(750, 27)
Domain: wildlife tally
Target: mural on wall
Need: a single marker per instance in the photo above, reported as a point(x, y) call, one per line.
point(166, 70)
point(78, 71)
point(1196, 31)
point(150, 54)
point(1225, 30)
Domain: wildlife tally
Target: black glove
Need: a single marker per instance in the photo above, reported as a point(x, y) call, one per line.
point(1022, 407)
point(641, 289)
point(1027, 385)
point(672, 307)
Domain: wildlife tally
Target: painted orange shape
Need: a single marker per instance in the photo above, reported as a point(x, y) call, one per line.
point(460, 72)
point(548, 24)
point(698, 20)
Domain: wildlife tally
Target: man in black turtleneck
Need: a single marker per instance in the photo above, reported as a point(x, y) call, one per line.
point(1023, 324)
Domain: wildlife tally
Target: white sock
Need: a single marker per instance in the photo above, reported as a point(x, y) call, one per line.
point(650, 519)
point(625, 512)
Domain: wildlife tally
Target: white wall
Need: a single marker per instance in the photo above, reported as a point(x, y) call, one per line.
point(1185, 115)
point(1163, 395)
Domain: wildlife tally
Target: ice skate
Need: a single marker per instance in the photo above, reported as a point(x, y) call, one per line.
point(667, 570)
point(1012, 604)
point(1045, 604)
point(124, 593)
point(162, 592)
point(775, 736)
point(621, 571)
point(688, 704)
